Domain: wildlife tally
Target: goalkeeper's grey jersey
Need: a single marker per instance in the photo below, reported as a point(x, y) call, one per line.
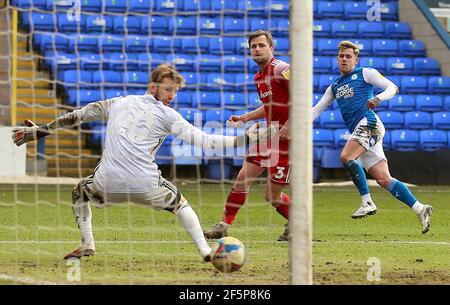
point(136, 127)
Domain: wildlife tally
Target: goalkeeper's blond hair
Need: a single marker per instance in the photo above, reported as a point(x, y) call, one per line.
point(166, 70)
point(347, 44)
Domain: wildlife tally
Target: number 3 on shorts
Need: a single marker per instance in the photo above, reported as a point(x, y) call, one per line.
point(280, 172)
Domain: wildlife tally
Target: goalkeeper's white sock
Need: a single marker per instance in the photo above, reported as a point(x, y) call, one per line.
point(190, 223)
point(83, 216)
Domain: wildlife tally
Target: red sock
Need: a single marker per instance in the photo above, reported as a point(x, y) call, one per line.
point(234, 202)
point(282, 207)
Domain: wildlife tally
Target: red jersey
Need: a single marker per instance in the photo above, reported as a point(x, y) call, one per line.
point(273, 90)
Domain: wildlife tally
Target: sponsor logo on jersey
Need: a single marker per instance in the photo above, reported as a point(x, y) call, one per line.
point(344, 91)
point(286, 73)
point(266, 94)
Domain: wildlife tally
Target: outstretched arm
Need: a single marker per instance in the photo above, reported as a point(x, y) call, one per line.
point(323, 104)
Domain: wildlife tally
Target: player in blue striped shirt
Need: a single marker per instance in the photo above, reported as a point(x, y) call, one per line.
point(353, 91)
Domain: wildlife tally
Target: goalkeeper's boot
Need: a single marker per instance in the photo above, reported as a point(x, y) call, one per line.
point(86, 249)
point(218, 230)
point(425, 218)
point(285, 235)
point(367, 208)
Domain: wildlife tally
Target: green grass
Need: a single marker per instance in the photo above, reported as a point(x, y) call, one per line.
point(137, 245)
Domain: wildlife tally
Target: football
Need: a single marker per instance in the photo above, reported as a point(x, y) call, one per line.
point(228, 254)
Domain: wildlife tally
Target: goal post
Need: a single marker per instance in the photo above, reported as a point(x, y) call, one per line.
point(300, 217)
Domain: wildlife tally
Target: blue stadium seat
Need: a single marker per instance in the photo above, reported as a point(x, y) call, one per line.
point(389, 11)
point(241, 46)
point(325, 81)
point(398, 30)
point(439, 84)
point(157, 25)
point(90, 61)
point(83, 43)
point(140, 6)
point(113, 93)
point(185, 154)
point(149, 61)
point(402, 103)
point(281, 27)
point(91, 6)
point(221, 45)
point(52, 42)
point(127, 24)
point(27, 4)
point(135, 78)
point(184, 25)
point(233, 26)
point(194, 6)
point(391, 119)
point(323, 138)
point(74, 78)
point(164, 154)
point(110, 43)
point(355, 10)
point(220, 81)
point(252, 7)
point(432, 140)
point(98, 24)
point(405, 140)
point(428, 66)
point(399, 65)
point(344, 29)
point(167, 6)
point(192, 79)
point(115, 6)
point(182, 62)
point(55, 5)
point(417, 120)
point(218, 7)
point(367, 29)
point(255, 24)
point(328, 9)
point(364, 46)
point(209, 99)
point(194, 45)
point(387, 140)
point(331, 119)
point(234, 100)
point(107, 78)
point(220, 169)
point(192, 115)
point(165, 44)
point(328, 46)
point(233, 63)
point(322, 28)
point(447, 103)
point(66, 24)
point(278, 8)
point(340, 137)
point(82, 97)
point(209, 62)
point(281, 45)
point(42, 21)
point(60, 61)
point(411, 48)
point(373, 62)
point(414, 84)
point(322, 64)
point(385, 47)
point(330, 158)
point(135, 43)
point(429, 103)
point(441, 120)
point(209, 26)
point(183, 100)
point(217, 115)
point(253, 100)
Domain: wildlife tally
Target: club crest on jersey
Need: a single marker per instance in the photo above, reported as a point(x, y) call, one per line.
point(354, 76)
point(286, 73)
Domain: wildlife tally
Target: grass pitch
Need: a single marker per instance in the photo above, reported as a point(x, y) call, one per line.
point(137, 245)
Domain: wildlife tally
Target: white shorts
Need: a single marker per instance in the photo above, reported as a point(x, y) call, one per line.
point(158, 198)
point(370, 139)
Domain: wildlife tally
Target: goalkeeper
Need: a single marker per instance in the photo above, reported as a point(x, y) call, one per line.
point(136, 128)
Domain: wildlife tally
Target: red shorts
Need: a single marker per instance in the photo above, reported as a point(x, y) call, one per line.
point(278, 169)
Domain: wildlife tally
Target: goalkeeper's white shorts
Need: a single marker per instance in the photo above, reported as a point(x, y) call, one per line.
point(370, 139)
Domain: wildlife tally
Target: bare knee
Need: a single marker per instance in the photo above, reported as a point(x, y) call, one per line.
point(383, 181)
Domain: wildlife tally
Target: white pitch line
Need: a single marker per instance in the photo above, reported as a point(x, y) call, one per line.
point(439, 243)
point(26, 280)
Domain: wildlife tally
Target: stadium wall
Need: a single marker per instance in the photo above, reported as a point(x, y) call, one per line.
point(423, 30)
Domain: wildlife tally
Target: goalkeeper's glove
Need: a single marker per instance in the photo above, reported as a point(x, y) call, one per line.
point(31, 132)
point(256, 134)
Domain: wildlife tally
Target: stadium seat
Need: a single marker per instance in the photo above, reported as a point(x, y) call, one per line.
point(208, 62)
point(148, 61)
point(322, 64)
point(432, 140)
point(184, 25)
point(399, 65)
point(183, 100)
point(221, 45)
point(209, 99)
point(234, 63)
point(387, 140)
point(113, 93)
point(165, 44)
point(277, 8)
point(138, 44)
point(241, 46)
point(364, 46)
point(355, 10)
point(405, 140)
point(325, 81)
point(110, 43)
point(218, 115)
point(191, 115)
point(191, 79)
point(402, 103)
point(60, 61)
point(194, 45)
point(385, 47)
point(41, 21)
point(255, 24)
point(98, 24)
point(373, 62)
point(391, 119)
point(218, 7)
point(91, 6)
point(89, 61)
point(252, 7)
point(233, 26)
point(340, 137)
point(135, 78)
point(253, 100)
point(439, 84)
point(281, 45)
point(322, 28)
point(186, 154)
point(107, 78)
point(397, 30)
point(220, 81)
point(220, 169)
point(98, 135)
point(447, 103)
point(282, 27)
point(428, 66)
point(140, 6)
point(329, 9)
point(331, 158)
point(234, 100)
point(72, 78)
point(115, 6)
point(417, 120)
point(331, 119)
point(411, 48)
point(51, 41)
point(441, 120)
point(344, 29)
point(127, 24)
point(82, 97)
point(27, 4)
point(67, 23)
point(414, 84)
point(167, 6)
point(328, 46)
point(323, 138)
point(157, 25)
point(430, 103)
point(389, 11)
point(182, 62)
point(367, 29)
point(209, 26)
point(83, 43)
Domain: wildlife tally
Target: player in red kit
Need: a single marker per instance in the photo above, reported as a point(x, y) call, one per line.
point(272, 83)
